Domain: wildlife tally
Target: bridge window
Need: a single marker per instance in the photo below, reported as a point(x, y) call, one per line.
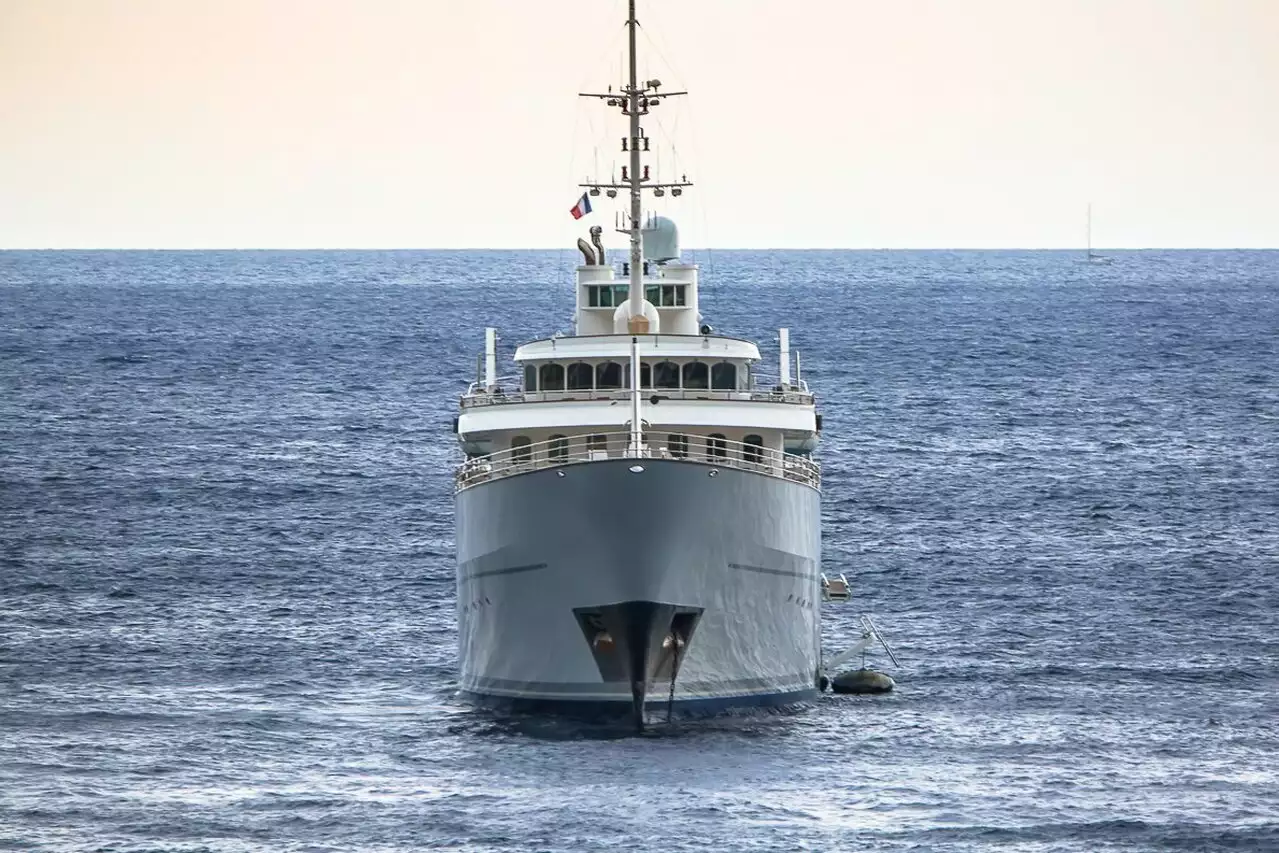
point(597, 443)
point(695, 374)
point(677, 444)
point(557, 448)
point(724, 376)
point(580, 375)
point(552, 377)
point(520, 449)
point(530, 378)
point(665, 295)
point(608, 375)
point(716, 446)
point(753, 448)
point(606, 295)
point(666, 375)
point(646, 375)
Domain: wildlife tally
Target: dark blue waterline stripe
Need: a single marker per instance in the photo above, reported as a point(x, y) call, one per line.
point(783, 683)
point(607, 709)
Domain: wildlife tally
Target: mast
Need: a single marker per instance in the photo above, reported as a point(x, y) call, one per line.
point(635, 100)
point(1089, 230)
point(638, 323)
point(637, 425)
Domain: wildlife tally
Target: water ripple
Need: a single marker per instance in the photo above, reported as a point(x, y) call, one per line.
point(226, 580)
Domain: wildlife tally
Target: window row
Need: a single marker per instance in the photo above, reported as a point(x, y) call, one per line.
point(713, 446)
point(612, 295)
point(580, 376)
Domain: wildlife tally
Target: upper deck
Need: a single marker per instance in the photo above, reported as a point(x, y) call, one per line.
point(480, 395)
point(677, 367)
point(619, 346)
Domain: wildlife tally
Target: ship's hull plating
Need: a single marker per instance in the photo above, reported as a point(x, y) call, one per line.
point(577, 585)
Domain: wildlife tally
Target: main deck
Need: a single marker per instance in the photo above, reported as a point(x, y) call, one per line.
point(712, 450)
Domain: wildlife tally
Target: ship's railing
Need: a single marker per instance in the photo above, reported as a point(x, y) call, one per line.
point(764, 390)
point(690, 447)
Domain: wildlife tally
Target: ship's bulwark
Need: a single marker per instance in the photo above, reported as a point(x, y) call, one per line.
point(555, 566)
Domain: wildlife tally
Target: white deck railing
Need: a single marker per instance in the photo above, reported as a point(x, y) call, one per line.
point(766, 390)
point(696, 449)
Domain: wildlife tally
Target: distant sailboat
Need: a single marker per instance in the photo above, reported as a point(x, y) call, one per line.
point(1092, 257)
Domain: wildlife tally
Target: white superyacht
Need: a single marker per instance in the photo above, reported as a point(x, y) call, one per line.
point(638, 515)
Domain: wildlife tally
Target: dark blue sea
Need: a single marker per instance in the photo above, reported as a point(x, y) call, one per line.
point(226, 560)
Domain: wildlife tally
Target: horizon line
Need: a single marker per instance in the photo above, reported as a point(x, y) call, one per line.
point(1080, 249)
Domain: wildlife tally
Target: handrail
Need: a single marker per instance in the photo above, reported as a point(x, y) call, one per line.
point(760, 379)
point(760, 383)
point(764, 388)
point(500, 397)
point(595, 447)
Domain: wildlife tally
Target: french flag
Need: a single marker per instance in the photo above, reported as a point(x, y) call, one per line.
point(582, 207)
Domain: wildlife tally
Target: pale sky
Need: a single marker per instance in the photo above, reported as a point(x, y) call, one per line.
point(822, 123)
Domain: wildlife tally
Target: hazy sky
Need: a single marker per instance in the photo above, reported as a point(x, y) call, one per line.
point(454, 123)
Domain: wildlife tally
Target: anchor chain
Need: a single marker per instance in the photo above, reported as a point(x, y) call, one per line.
point(677, 643)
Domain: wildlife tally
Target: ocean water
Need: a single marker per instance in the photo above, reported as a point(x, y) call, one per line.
point(226, 570)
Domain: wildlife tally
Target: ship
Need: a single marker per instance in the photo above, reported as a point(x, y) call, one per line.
point(638, 507)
